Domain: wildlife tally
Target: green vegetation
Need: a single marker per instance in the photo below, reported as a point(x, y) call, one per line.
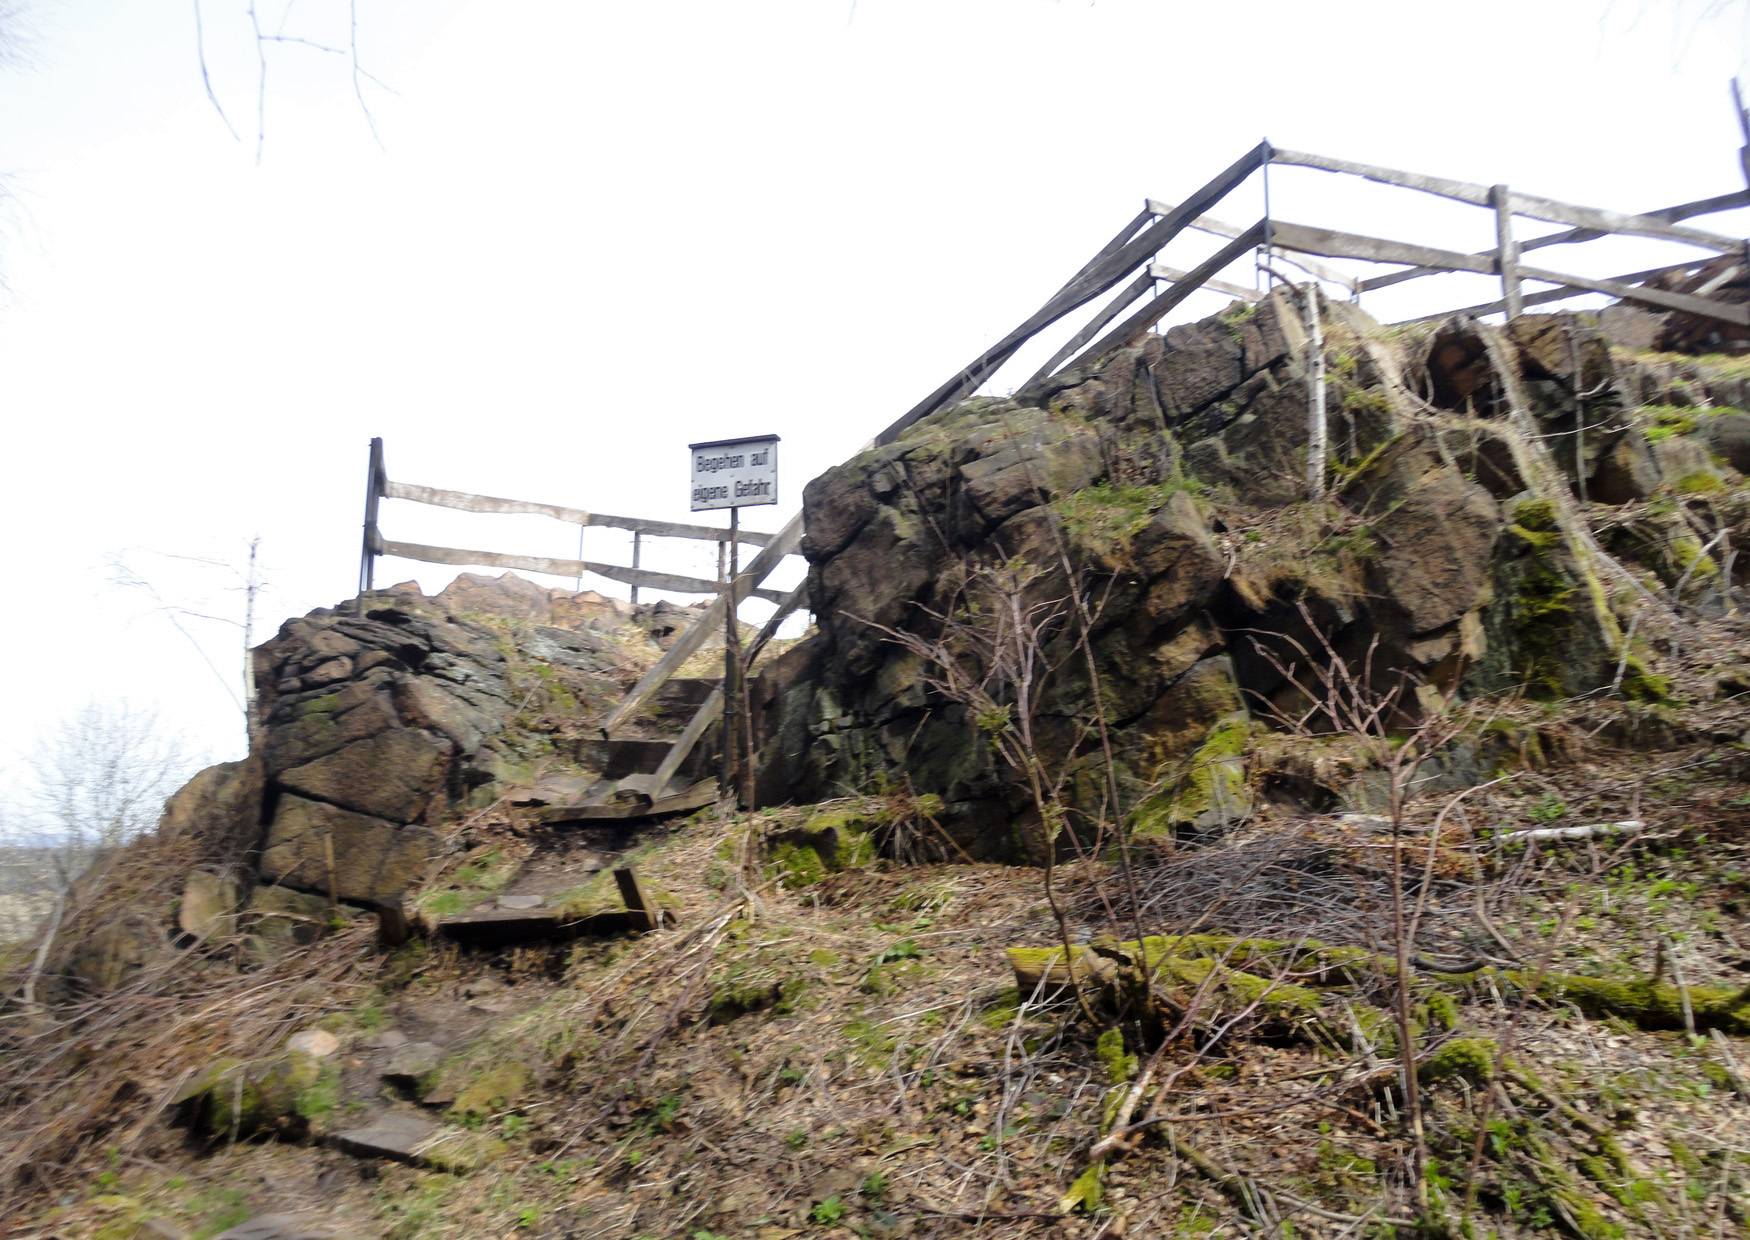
point(1105, 519)
point(1472, 1059)
point(1214, 780)
point(493, 1091)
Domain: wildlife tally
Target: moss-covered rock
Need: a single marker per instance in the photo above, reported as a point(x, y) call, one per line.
point(287, 1095)
point(828, 842)
point(1472, 1059)
point(493, 1091)
point(1209, 793)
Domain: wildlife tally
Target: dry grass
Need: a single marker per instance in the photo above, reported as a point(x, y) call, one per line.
point(88, 1079)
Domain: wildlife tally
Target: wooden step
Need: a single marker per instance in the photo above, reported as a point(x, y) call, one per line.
point(630, 800)
point(523, 919)
point(641, 755)
point(686, 693)
point(635, 755)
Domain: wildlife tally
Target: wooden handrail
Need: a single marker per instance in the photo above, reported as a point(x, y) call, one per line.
point(565, 568)
point(466, 501)
point(712, 708)
point(1152, 313)
point(783, 543)
point(1572, 236)
point(1546, 296)
point(1096, 277)
point(1330, 243)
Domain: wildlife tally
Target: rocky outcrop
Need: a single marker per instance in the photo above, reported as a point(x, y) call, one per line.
point(375, 721)
point(1165, 487)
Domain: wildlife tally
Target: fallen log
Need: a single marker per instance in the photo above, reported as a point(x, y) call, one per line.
point(1113, 970)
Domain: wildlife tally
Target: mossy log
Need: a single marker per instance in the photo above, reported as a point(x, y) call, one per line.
point(1177, 959)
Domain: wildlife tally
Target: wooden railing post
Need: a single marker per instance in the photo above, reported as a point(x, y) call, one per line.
point(1506, 250)
point(637, 546)
point(733, 700)
point(376, 483)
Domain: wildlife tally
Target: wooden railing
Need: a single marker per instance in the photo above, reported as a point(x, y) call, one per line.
point(1131, 259)
point(379, 487)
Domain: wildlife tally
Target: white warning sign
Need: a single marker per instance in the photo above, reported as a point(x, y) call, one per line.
point(735, 473)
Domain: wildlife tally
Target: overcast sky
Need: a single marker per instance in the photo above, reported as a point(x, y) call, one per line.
point(593, 232)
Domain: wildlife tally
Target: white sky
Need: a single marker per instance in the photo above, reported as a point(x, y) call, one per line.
point(595, 232)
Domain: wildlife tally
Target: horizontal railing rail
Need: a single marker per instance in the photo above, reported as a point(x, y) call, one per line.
point(380, 486)
point(1131, 263)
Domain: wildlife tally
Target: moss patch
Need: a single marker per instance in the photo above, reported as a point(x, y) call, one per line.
point(1472, 1059)
point(493, 1091)
point(1212, 787)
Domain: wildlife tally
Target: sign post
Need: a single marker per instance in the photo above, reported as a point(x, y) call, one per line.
point(735, 474)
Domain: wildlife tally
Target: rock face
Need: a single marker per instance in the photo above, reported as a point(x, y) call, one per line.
point(1165, 487)
point(374, 722)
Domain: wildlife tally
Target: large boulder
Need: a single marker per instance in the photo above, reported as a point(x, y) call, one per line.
point(376, 720)
point(312, 844)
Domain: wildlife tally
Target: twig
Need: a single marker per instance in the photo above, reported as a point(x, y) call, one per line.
point(1627, 826)
point(200, 51)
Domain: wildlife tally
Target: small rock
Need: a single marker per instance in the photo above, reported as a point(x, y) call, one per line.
point(521, 901)
point(316, 1043)
point(414, 1139)
point(411, 1062)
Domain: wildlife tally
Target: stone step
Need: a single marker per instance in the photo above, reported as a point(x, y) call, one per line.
point(409, 1138)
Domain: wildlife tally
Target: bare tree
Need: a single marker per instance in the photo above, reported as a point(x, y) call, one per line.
point(100, 779)
point(343, 43)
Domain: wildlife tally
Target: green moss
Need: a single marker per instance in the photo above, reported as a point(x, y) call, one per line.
point(1105, 518)
point(240, 1098)
point(1543, 611)
point(829, 841)
point(797, 865)
point(874, 1045)
point(493, 1091)
point(1442, 1010)
point(317, 1101)
point(1367, 400)
point(1668, 420)
point(1700, 482)
point(1642, 684)
point(1535, 514)
point(1470, 1059)
point(1001, 1012)
point(1347, 473)
point(746, 988)
point(1691, 559)
point(443, 903)
point(1087, 1192)
point(1214, 780)
point(1649, 1005)
point(1120, 1064)
point(323, 705)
